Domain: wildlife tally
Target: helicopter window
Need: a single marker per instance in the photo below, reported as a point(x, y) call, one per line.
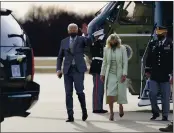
point(136, 13)
point(9, 26)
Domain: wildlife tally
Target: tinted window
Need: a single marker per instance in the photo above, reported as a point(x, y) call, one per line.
point(10, 26)
point(137, 13)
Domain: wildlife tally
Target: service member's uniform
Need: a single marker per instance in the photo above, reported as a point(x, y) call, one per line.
point(96, 50)
point(159, 64)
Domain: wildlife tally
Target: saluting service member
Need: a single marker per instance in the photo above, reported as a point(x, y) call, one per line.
point(159, 65)
point(96, 50)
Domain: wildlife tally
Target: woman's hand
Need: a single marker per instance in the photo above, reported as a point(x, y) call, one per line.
point(123, 78)
point(102, 78)
point(171, 80)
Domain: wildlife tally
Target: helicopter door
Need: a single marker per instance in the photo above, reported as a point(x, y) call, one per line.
point(134, 26)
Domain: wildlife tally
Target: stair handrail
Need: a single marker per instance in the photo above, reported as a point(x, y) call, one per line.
point(143, 58)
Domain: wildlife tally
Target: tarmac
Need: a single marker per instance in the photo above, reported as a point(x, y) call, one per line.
point(49, 114)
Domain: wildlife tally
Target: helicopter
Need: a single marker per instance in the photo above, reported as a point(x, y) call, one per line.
point(135, 22)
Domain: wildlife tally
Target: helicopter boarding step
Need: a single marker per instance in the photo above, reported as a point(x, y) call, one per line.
point(144, 99)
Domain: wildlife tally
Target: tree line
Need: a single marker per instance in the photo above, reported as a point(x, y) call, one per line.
point(46, 27)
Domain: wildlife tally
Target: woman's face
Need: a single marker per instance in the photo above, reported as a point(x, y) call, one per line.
point(113, 42)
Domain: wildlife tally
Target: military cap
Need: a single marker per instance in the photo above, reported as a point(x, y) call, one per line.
point(98, 33)
point(160, 30)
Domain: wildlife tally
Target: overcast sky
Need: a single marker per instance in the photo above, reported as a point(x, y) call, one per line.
point(20, 8)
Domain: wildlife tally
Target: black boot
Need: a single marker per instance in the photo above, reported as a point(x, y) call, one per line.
point(169, 128)
point(81, 97)
point(100, 111)
point(164, 118)
point(1, 119)
point(84, 116)
point(154, 116)
point(70, 119)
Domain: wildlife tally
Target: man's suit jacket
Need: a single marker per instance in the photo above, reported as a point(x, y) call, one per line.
point(78, 54)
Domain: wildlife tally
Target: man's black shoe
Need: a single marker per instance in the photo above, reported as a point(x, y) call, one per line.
point(154, 116)
point(100, 111)
point(169, 128)
point(84, 116)
point(164, 118)
point(70, 119)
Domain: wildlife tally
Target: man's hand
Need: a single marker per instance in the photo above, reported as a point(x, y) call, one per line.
point(84, 28)
point(147, 75)
point(102, 78)
point(123, 78)
point(59, 74)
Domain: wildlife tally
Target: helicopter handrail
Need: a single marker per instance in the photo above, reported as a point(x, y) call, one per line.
point(142, 60)
point(101, 9)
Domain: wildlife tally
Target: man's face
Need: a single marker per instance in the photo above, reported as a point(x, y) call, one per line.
point(161, 36)
point(113, 42)
point(73, 29)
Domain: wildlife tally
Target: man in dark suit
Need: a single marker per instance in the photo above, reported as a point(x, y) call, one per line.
point(96, 50)
point(159, 65)
point(72, 50)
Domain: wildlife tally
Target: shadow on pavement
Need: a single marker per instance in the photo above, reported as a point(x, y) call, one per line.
point(138, 121)
point(63, 119)
point(90, 128)
point(148, 111)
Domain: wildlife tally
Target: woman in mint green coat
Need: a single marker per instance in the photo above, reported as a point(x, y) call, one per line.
point(114, 73)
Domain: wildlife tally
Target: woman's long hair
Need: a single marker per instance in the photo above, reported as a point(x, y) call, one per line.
point(113, 37)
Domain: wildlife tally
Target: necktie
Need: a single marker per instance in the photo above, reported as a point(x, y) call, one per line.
point(71, 45)
point(71, 49)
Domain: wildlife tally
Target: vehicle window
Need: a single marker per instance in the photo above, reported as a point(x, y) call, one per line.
point(136, 13)
point(10, 26)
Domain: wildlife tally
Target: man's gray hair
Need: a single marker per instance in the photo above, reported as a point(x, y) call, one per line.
point(72, 25)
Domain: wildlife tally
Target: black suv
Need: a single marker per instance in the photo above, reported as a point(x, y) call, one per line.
point(18, 92)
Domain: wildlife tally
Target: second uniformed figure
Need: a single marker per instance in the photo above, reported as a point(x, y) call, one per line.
point(96, 50)
point(159, 64)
